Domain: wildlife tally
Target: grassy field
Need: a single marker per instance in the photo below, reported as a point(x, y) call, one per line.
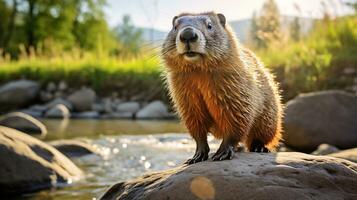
point(316, 62)
point(129, 77)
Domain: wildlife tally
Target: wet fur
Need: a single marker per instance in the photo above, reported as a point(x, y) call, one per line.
point(228, 93)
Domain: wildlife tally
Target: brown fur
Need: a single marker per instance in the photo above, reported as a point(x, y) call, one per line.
point(228, 92)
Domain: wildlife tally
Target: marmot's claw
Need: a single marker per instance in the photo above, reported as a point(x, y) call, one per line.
point(198, 157)
point(226, 153)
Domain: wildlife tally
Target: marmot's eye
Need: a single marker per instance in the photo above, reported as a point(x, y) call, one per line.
point(209, 26)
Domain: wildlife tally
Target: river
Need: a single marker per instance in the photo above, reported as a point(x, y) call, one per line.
point(130, 149)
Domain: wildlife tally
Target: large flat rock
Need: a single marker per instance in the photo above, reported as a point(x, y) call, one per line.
point(285, 175)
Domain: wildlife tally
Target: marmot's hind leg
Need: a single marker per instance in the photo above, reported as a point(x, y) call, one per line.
point(258, 146)
point(265, 134)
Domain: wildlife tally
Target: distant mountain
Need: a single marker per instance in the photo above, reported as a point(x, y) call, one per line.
point(153, 35)
point(240, 27)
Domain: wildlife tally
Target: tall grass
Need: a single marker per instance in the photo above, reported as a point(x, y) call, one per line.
point(128, 77)
point(318, 61)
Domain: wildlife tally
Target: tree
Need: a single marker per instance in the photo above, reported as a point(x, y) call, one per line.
point(267, 28)
point(295, 29)
point(130, 37)
point(90, 27)
point(7, 28)
point(254, 30)
point(45, 25)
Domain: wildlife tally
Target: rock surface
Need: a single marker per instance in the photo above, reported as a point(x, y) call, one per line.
point(154, 110)
point(19, 93)
point(82, 99)
point(74, 148)
point(28, 165)
point(131, 107)
point(59, 111)
point(349, 154)
point(248, 176)
point(325, 149)
point(322, 117)
point(57, 101)
point(23, 122)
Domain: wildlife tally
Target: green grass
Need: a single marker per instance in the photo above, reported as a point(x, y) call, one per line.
point(128, 78)
point(317, 62)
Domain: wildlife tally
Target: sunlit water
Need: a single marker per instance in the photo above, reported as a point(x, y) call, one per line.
point(129, 148)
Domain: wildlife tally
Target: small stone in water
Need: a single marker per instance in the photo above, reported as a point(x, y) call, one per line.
point(142, 158)
point(124, 145)
point(147, 165)
point(115, 150)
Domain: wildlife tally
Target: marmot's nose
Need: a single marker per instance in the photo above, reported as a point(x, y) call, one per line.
point(188, 35)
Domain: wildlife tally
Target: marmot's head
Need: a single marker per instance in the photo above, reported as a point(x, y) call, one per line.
point(197, 40)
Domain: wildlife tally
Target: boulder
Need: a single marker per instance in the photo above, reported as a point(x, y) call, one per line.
point(28, 165)
point(17, 94)
point(349, 154)
point(75, 148)
point(82, 99)
point(154, 110)
point(322, 117)
point(51, 87)
point(57, 101)
point(131, 107)
point(62, 85)
point(23, 122)
point(285, 175)
point(325, 149)
point(59, 111)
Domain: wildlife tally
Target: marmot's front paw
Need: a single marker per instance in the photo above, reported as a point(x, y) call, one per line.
point(200, 155)
point(224, 153)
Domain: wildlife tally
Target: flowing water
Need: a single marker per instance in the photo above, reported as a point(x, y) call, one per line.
point(129, 148)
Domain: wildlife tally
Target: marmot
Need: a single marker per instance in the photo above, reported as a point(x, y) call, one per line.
point(218, 86)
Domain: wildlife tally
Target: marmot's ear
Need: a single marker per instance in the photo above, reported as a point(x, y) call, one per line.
point(222, 19)
point(173, 20)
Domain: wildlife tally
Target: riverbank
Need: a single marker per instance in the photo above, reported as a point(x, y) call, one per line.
point(61, 101)
point(128, 79)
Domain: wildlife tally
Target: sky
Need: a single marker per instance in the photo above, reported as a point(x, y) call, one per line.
point(158, 14)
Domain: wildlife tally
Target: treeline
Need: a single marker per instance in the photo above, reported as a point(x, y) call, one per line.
point(324, 58)
point(53, 26)
point(267, 29)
